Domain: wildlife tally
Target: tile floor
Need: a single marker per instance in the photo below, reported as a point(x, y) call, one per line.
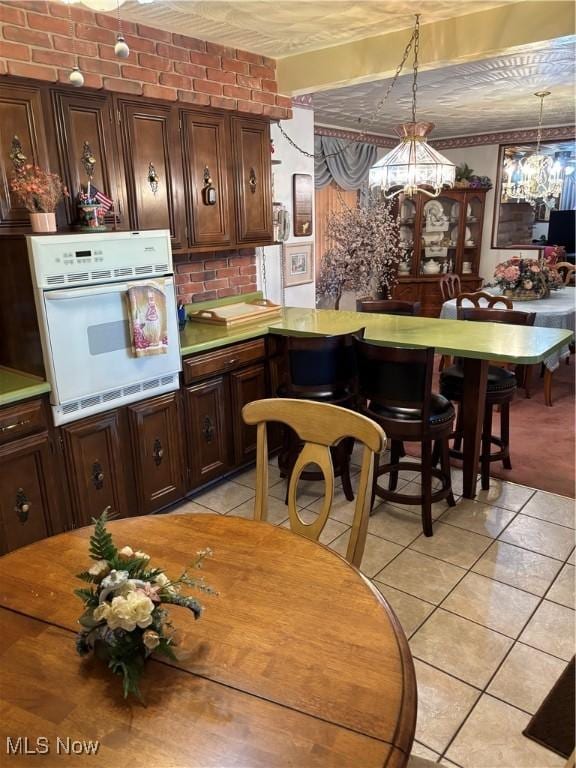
point(487, 604)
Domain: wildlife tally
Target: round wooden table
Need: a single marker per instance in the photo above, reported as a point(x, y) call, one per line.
point(298, 662)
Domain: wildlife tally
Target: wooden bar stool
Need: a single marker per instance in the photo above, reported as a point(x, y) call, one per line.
point(395, 387)
point(502, 385)
point(321, 369)
point(388, 306)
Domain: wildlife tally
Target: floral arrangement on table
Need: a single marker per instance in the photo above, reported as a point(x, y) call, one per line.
point(38, 190)
point(124, 620)
point(526, 279)
point(466, 178)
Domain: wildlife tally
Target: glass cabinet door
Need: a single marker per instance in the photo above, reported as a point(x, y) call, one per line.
point(472, 237)
point(440, 236)
point(407, 236)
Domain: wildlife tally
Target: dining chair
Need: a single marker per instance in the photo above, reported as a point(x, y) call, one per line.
point(388, 306)
point(320, 427)
point(566, 270)
point(476, 298)
point(450, 286)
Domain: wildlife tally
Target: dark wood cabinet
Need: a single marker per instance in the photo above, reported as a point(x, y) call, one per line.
point(85, 140)
point(155, 436)
point(208, 430)
point(245, 385)
point(252, 171)
point(96, 466)
point(22, 140)
point(150, 140)
point(206, 168)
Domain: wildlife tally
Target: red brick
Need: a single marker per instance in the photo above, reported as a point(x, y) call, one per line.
point(107, 52)
point(185, 298)
point(90, 80)
point(251, 58)
point(99, 67)
point(191, 70)
point(228, 272)
point(159, 92)
point(175, 81)
point(233, 65)
point(95, 34)
point(76, 14)
point(218, 102)
point(154, 62)
point(207, 86)
point(206, 60)
point(236, 93)
point(155, 34)
point(220, 50)
point(224, 292)
point(268, 62)
point(221, 77)
point(122, 86)
point(11, 15)
point(241, 261)
point(28, 36)
point(40, 6)
point(284, 101)
point(137, 73)
point(206, 296)
point(172, 52)
point(248, 288)
point(249, 82)
point(214, 285)
point(201, 99)
point(270, 85)
point(48, 24)
point(263, 97)
point(209, 275)
point(250, 106)
point(111, 22)
point(181, 279)
point(251, 270)
point(216, 264)
point(240, 280)
point(55, 58)
point(247, 252)
point(18, 51)
point(81, 47)
point(191, 287)
point(196, 266)
point(34, 71)
point(265, 72)
point(192, 43)
point(277, 113)
point(2, 67)
point(140, 44)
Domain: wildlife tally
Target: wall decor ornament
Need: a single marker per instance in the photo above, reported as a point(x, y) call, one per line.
point(208, 189)
point(16, 154)
point(153, 179)
point(298, 264)
point(302, 200)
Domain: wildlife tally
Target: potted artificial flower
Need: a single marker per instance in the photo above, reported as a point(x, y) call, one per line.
point(40, 192)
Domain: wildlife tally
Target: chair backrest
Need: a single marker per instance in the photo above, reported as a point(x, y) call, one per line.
point(476, 298)
point(388, 306)
point(319, 426)
point(395, 376)
point(450, 286)
point(567, 271)
point(320, 363)
point(491, 315)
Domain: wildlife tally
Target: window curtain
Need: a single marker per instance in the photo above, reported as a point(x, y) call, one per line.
point(568, 198)
point(349, 169)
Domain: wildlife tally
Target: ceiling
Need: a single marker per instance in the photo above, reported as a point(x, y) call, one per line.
point(493, 94)
point(279, 28)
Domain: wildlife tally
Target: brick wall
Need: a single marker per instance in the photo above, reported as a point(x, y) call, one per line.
point(35, 42)
point(216, 276)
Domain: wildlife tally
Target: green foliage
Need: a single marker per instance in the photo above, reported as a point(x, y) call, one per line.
point(463, 172)
point(101, 544)
point(88, 597)
point(85, 576)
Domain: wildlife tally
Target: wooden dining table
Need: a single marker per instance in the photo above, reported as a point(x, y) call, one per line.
point(298, 661)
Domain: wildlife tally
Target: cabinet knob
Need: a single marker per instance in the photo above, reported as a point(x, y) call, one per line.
point(208, 429)
point(153, 179)
point(157, 452)
point(23, 505)
point(97, 476)
point(252, 180)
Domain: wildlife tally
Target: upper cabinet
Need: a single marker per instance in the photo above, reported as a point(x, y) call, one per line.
point(22, 141)
point(87, 151)
point(252, 171)
point(150, 142)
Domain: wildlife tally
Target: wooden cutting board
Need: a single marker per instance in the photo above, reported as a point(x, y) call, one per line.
point(232, 315)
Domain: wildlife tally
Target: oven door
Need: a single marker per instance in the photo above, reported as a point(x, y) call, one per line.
point(87, 345)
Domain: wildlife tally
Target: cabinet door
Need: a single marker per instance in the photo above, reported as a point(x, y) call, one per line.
point(252, 167)
point(152, 164)
point(96, 473)
point(27, 492)
point(157, 451)
point(87, 147)
point(208, 430)
point(22, 141)
point(205, 142)
point(246, 385)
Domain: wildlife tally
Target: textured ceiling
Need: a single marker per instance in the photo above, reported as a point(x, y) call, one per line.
point(278, 28)
point(476, 97)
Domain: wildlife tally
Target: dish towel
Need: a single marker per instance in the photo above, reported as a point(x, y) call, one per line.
point(147, 316)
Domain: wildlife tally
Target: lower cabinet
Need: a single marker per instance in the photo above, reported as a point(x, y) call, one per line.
point(157, 453)
point(246, 385)
point(208, 430)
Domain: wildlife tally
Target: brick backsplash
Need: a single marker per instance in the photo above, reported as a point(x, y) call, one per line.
point(216, 275)
point(35, 42)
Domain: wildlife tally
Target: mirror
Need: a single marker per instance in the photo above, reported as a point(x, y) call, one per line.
point(528, 191)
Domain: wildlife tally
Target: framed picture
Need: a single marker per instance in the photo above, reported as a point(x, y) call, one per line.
point(298, 264)
point(303, 191)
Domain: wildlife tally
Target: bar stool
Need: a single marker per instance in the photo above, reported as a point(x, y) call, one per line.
point(395, 387)
point(321, 369)
point(388, 306)
point(502, 385)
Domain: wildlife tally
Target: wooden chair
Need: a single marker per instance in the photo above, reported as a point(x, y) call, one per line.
point(388, 306)
point(320, 427)
point(450, 286)
point(491, 301)
point(566, 270)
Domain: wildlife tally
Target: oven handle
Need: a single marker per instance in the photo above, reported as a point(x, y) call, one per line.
point(93, 290)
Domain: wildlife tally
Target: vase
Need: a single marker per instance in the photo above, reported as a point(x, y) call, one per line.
point(43, 222)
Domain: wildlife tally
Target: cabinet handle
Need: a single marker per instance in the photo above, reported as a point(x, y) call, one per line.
point(157, 452)
point(208, 190)
point(233, 361)
point(88, 161)
point(208, 429)
point(153, 178)
point(23, 505)
point(252, 180)
point(97, 476)
point(16, 424)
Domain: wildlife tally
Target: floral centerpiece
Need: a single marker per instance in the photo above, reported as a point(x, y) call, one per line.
point(124, 620)
point(39, 191)
point(526, 279)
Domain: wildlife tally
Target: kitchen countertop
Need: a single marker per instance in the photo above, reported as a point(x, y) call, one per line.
point(15, 386)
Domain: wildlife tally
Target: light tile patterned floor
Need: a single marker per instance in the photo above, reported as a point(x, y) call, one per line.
point(487, 604)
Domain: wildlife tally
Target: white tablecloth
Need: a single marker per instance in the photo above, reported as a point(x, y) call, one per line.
point(556, 311)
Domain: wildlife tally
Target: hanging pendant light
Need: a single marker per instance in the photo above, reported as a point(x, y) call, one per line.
point(121, 48)
point(413, 166)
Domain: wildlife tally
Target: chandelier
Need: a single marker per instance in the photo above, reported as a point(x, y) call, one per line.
point(537, 176)
point(413, 165)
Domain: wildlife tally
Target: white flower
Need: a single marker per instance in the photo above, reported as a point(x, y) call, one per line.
point(130, 612)
point(101, 612)
point(164, 583)
point(141, 555)
point(99, 570)
point(126, 553)
point(115, 579)
point(151, 639)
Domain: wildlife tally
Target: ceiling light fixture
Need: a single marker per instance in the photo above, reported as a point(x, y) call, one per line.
point(413, 166)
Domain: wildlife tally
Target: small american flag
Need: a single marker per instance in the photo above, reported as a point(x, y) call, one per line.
point(106, 203)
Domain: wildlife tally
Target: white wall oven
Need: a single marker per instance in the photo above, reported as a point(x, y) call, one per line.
point(80, 285)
